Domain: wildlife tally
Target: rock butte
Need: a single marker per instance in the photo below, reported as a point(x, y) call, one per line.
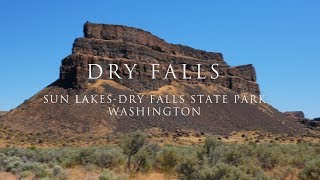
point(113, 44)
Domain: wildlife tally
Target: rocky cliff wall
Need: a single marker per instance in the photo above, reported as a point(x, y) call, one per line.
point(105, 44)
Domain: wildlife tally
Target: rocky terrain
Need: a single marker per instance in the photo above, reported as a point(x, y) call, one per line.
point(2, 113)
point(299, 116)
point(105, 44)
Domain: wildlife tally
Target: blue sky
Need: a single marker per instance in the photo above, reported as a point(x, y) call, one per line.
point(280, 38)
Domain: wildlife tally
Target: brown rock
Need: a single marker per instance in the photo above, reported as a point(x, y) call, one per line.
point(295, 114)
point(314, 123)
point(105, 44)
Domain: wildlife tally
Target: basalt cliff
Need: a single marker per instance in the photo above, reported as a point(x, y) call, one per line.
point(104, 44)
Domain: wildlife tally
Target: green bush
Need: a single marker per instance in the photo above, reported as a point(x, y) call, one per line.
point(85, 156)
point(108, 158)
point(131, 144)
point(233, 156)
point(59, 173)
point(9, 163)
point(210, 144)
point(25, 174)
point(16, 165)
point(70, 159)
point(268, 156)
point(187, 169)
point(211, 160)
point(311, 170)
point(107, 175)
point(168, 158)
point(221, 171)
point(41, 171)
point(144, 159)
point(212, 151)
point(252, 170)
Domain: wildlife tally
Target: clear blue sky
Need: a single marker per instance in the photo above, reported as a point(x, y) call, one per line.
point(281, 39)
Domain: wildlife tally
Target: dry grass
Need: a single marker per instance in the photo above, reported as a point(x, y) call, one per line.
point(15, 138)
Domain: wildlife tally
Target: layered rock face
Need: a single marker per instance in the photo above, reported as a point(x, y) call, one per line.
point(106, 44)
point(114, 44)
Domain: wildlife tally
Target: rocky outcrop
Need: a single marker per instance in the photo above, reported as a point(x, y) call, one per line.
point(299, 115)
point(2, 113)
point(314, 123)
point(295, 114)
point(105, 44)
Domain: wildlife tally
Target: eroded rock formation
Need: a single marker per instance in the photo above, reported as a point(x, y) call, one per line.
point(105, 44)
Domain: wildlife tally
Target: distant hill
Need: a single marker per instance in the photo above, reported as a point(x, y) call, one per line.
point(3, 113)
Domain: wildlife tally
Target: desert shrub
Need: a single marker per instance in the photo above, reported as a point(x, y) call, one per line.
point(85, 156)
point(90, 167)
point(25, 174)
point(202, 168)
point(41, 171)
point(311, 170)
point(50, 156)
point(214, 159)
point(17, 165)
point(187, 169)
point(131, 144)
point(23, 163)
point(10, 163)
point(70, 159)
point(233, 156)
point(56, 170)
point(268, 156)
point(210, 144)
point(212, 151)
point(102, 157)
point(283, 173)
point(217, 160)
point(252, 170)
point(168, 158)
point(298, 154)
point(59, 173)
point(221, 171)
point(107, 175)
point(144, 159)
point(107, 158)
point(32, 166)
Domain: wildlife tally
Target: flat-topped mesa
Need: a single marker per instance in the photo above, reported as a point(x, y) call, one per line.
point(141, 37)
point(87, 116)
point(114, 44)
